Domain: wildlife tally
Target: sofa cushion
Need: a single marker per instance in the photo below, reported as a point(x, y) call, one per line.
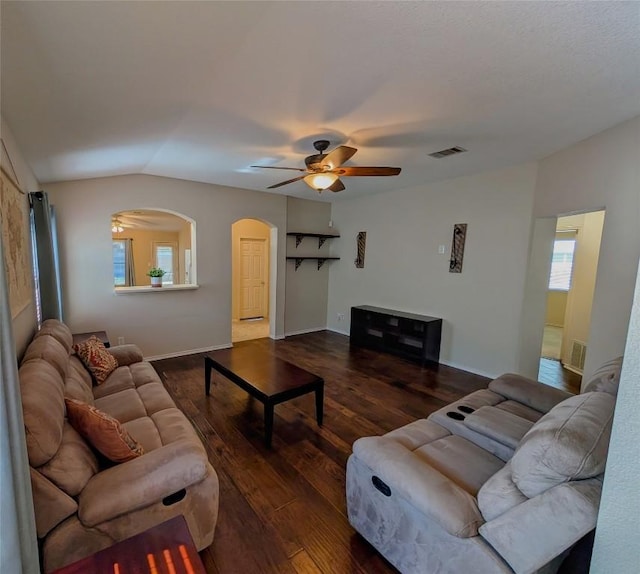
point(119, 380)
point(96, 358)
point(78, 383)
point(42, 390)
point(50, 350)
point(523, 390)
point(104, 432)
point(499, 494)
point(606, 379)
point(51, 505)
point(57, 330)
point(417, 433)
point(73, 465)
point(461, 461)
point(124, 406)
point(145, 432)
point(569, 443)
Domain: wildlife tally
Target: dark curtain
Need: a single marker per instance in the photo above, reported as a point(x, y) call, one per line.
point(46, 257)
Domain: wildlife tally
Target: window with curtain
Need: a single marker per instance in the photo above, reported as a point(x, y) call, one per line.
point(562, 264)
point(123, 270)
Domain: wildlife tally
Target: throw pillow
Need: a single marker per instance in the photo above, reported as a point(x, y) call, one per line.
point(104, 432)
point(100, 362)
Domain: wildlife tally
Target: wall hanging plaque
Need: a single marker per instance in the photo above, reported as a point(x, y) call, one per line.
point(457, 247)
point(361, 244)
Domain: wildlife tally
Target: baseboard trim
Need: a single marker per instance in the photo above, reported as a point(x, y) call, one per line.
point(188, 352)
point(338, 331)
point(468, 370)
point(305, 331)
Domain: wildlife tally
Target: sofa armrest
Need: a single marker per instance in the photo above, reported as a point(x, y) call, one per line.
point(142, 481)
point(421, 485)
point(533, 533)
point(531, 393)
point(126, 354)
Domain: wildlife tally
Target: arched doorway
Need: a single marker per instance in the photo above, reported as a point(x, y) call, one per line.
point(252, 280)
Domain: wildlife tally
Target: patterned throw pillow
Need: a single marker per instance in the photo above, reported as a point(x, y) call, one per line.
point(104, 432)
point(100, 362)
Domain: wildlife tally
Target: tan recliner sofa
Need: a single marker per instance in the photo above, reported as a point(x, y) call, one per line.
point(84, 503)
point(505, 480)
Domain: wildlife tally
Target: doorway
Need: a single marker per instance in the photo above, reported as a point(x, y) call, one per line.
point(251, 285)
point(570, 291)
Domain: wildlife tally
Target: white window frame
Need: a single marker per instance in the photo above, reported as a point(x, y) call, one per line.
point(174, 260)
point(560, 278)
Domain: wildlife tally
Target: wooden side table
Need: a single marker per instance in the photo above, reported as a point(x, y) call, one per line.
point(164, 549)
point(102, 335)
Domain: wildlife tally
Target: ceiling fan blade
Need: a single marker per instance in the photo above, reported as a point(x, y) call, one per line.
point(358, 170)
point(276, 167)
point(337, 157)
point(287, 182)
point(337, 186)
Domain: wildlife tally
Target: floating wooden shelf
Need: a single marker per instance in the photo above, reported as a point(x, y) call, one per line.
point(322, 237)
point(320, 260)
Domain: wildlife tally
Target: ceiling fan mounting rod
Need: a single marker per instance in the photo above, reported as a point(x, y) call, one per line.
point(321, 145)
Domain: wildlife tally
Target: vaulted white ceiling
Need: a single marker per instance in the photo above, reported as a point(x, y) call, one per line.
point(203, 90)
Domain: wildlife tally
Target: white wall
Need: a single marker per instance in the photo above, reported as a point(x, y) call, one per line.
point(307, 288)
point(24, 324)
point(616, 546)
point(481, 307)
point(162, 322)
point(601, 172)
point(534, 302)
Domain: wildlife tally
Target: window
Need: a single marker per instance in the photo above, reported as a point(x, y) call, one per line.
point(165, 256)
point(119, 262)
point(562, 264)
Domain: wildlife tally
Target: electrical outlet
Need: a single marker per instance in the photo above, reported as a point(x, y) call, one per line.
point(441, 249)
point(120, 340)
point(340, 316)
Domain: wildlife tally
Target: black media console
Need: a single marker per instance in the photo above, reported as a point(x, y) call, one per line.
point(408, 335)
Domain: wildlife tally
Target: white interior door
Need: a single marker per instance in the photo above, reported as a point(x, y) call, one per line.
point(253, 289)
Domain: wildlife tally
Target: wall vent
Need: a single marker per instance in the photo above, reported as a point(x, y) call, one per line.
point(578, 353)
point(447, 152)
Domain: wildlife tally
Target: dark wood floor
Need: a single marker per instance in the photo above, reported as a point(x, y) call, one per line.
point(283, 510)
point(553, 373)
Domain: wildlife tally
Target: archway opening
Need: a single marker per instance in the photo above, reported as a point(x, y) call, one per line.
point(252, 280)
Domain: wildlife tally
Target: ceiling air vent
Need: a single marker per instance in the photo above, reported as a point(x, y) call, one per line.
point(447, 152)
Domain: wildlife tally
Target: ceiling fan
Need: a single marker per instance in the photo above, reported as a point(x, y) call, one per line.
point(323, 170)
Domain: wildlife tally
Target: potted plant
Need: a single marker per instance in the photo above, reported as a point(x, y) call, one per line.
point(156, 276)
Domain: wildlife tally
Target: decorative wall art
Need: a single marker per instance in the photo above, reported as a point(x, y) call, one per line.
point(457, 247)
point(14, 217)
point(361, 244)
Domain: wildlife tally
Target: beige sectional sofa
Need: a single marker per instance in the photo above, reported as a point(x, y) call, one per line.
point(505, 480)
point(83, 502)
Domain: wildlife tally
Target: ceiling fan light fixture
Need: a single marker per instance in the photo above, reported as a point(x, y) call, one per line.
point(320, 181)
point(116, 226)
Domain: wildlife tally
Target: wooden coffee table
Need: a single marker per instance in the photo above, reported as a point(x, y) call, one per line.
point(266, 378)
